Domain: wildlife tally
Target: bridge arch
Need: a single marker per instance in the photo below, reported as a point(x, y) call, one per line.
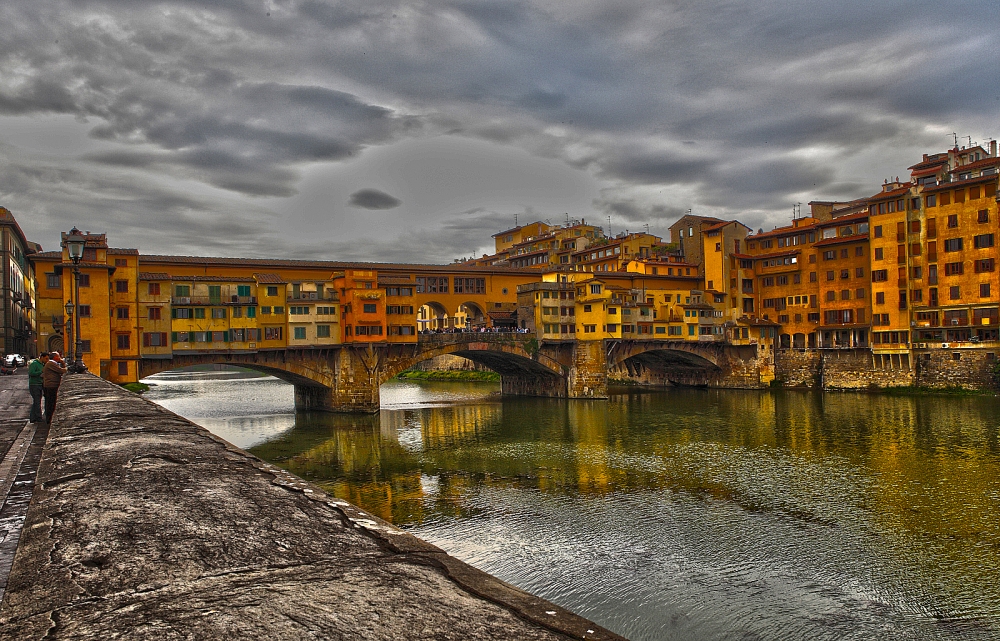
point(473, 313)
point(670, 362)
point(509, 357)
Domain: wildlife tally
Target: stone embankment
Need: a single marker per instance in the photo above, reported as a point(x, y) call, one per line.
point(145, 526)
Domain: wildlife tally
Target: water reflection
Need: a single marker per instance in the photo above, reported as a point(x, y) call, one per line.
point(691, 514)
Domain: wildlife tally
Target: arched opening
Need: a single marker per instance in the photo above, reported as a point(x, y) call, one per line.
point(799, 341)
point(663, 367)
point(433, 317)
point(55, 343)
point(470, 316)
point(785, 341)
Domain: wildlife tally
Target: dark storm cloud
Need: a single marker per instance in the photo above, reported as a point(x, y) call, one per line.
point(373, 199)
point(736, 107)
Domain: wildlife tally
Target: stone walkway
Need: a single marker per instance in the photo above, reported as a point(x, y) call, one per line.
point(143, 525)
point(20, 449)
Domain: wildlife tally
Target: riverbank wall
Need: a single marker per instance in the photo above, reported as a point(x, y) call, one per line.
point(144, 525)
point(961, 367)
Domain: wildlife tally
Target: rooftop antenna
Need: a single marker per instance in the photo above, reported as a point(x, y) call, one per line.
point(515, 220)
point(646, 225)
point(567, 219)
point(609, 226)
point(956, 138)
point(970, 141)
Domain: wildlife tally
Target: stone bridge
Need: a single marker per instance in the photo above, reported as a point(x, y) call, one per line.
point(347, 378)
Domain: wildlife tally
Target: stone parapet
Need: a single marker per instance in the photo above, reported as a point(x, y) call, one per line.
point(145, 526)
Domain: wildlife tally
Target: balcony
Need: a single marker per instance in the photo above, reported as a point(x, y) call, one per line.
point(332, 297)
point(217, 301)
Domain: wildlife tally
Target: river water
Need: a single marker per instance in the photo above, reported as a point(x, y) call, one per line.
point(684, 514)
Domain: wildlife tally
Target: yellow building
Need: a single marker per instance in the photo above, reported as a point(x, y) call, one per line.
point(18, 307)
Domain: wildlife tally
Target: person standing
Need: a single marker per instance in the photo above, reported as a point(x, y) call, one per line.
point(52, 375)
point(35, 368)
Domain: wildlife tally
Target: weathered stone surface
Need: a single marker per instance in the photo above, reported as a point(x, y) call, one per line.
point(969, 368)
point(145, 526)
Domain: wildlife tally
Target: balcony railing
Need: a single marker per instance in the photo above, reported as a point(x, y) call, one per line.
point(308, 296)
point(213, 300)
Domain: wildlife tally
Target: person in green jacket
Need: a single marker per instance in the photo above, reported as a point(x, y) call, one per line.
point(35, 368)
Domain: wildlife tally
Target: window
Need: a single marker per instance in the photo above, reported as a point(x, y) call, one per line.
point(879, 253)
point(300, 333)
point(122, 365)
point(84, 311)
point(829, 255)
point(859, 251)
point(278, 309)
point(984, 265)
point(951, 269)
point(982, 240)
point(182, 291)
point(830, 275)
point(121, 286)
point(880, 275)
point(86, 345)
point(984, 216)
point(953, 221)
point(917, 295)
point(84, 280)
point(180, 312)
point(931, 201)
point(812, 277)
point(845, 273)
point(955, 292)
point(154, 289)
point(218, 312)
point(984, 290)
point(242, 290)
point(953, 245)
point(296, 310)
point(860, 292)
point(880, 298)
point(124, 341)
point(154, 339)
point(154, 313)
point(272, 290)
point(859, 272)
point(52, 281)
point(121, 313)
point(878, 231)
point(831, 295)
point(595, 289)
point(322, 331)
point(844, 253)
point(272, 333)
point(914, 226)
point(845, 294)
point(916, 272)
point(251, 312)
point(199, 312)
point(369, 308)
point(264, 309)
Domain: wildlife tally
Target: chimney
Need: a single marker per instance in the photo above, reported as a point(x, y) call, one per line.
point(993, 148)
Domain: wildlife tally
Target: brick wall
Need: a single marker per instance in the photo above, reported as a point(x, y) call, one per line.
point(966, 368)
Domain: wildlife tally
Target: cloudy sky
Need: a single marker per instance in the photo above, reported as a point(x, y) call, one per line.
point(412, 131)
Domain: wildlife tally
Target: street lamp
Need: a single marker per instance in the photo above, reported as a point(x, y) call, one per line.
point(75, 242)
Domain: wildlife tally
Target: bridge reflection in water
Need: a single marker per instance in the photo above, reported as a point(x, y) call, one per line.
point(692, 514)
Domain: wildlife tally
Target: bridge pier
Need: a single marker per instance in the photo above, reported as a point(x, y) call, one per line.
point(588, 376)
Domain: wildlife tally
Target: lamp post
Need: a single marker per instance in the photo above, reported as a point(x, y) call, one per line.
point(68, 346)
point(75, 242)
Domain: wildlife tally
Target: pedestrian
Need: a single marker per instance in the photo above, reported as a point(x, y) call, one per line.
point(35, 368)
point(52, 375)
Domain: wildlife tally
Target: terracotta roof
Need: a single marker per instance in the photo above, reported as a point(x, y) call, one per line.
point(930, 162)
point(269, 279)
point(508, 231)
point(843, 239)
point(786, 252)
point(395, 280)
point(154, 276)
point(49, 255)
point(115, 251)
point(206, 261)
point(501, 315)
point(213, 279)
point(782, 231)
point(989, 161)
point(955, 184)
point(749, 320)
point(850, 218)
point(895, 193)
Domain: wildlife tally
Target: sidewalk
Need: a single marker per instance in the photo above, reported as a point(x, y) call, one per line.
point(15, 403)
point(144, 525)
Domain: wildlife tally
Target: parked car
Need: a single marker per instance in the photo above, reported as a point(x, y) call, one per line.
point(14, 360)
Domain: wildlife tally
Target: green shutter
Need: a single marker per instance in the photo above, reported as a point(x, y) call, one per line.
point(173, 337)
